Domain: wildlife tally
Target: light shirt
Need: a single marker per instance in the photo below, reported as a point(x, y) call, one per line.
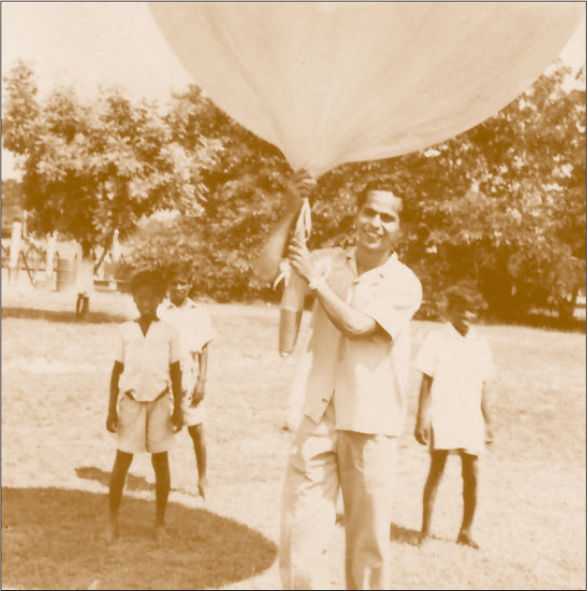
point(146, 359)
point(366, 377)
point(84, 275)
point(459, 367)
point(193, 324)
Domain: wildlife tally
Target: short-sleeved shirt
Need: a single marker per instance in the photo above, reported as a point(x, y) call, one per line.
point(193, 324)
point(146, 359)
point(366, 376)
point(459, 367)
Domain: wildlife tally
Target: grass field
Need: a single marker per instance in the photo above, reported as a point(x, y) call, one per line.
point(57, 457)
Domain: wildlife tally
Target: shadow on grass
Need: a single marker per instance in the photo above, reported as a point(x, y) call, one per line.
point(398, 533)
point(52, 539)
point(403, 535)
point(60, 315)
point(132, 482)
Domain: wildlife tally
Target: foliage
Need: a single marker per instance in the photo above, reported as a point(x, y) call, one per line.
point(94, 167)
point(241, 184)
point(12, 205)
point(502, 204)
point(519, 229)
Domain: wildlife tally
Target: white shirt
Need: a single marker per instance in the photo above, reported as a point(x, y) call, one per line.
point(365, 376)
point(459, 367)
point(146, 359)
point(84, 275)
point(193, 324)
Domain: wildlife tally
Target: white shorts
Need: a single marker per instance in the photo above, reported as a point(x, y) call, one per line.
point(145, 426)
point(193, 415)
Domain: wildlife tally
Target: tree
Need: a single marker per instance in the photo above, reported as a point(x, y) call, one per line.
point(502, 204)
point(95, 167)
point(12, 205)
point(523, 220)
point(241, 198)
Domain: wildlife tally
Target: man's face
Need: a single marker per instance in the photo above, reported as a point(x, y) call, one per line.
point(147, 301)
point(378, 222)
point(179, 288)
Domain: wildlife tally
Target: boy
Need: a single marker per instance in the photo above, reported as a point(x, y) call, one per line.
point(146, 363)
point(453, 414)
point(195, 331)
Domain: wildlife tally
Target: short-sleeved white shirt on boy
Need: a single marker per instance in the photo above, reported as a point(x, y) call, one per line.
point(146, 358)
point(459, 367)
point(192, 322)
point(195, 330)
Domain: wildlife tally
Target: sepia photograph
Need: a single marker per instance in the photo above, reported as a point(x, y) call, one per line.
point(293, 295)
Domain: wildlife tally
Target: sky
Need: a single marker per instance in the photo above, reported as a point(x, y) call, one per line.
point(86, 44)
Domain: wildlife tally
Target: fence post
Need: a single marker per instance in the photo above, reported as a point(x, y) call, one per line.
point(14, 251)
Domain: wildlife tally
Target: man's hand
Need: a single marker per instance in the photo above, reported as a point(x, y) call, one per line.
point(177, 418)
point(299, 186)
point(302, 261)
point(197, 393)
point(112, 421)
point(422, 432)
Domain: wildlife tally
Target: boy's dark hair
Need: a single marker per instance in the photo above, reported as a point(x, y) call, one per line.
point(376, 185)
point(465, 294)
point(180, 268)
point(149, 278)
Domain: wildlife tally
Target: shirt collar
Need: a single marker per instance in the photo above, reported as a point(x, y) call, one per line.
point(169, 305)
point(381, 270)
point(454, 332)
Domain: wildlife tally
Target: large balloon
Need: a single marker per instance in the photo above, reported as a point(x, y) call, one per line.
point(334, 82)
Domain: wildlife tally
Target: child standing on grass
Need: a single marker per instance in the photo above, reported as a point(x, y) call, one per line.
point(195, 329)
point(147, 364)
point(453, 409)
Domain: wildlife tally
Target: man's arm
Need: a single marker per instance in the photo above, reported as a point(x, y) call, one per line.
point(423, 422)
point(266, 266)
point(351, 322)
point(347, 319)
point(175, 374)
point(112, 418)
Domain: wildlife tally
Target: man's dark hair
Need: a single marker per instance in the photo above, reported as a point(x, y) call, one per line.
point(375, 186)
point(149, 278)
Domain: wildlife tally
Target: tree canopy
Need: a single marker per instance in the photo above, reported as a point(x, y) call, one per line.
point(502, 204)
point(95, 167)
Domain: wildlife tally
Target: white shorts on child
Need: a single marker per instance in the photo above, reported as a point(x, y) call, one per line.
point(192, 415)
point(145, 426)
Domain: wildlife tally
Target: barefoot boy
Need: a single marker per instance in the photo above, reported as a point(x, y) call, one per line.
point(147, 364)
point(195, 331)
point(452, 415)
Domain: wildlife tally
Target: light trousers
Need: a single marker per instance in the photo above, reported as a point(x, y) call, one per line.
point(321, 460)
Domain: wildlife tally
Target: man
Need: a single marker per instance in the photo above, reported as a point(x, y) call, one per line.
point(359, 357)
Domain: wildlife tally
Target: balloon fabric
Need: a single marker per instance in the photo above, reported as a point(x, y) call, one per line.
point(335, 82)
